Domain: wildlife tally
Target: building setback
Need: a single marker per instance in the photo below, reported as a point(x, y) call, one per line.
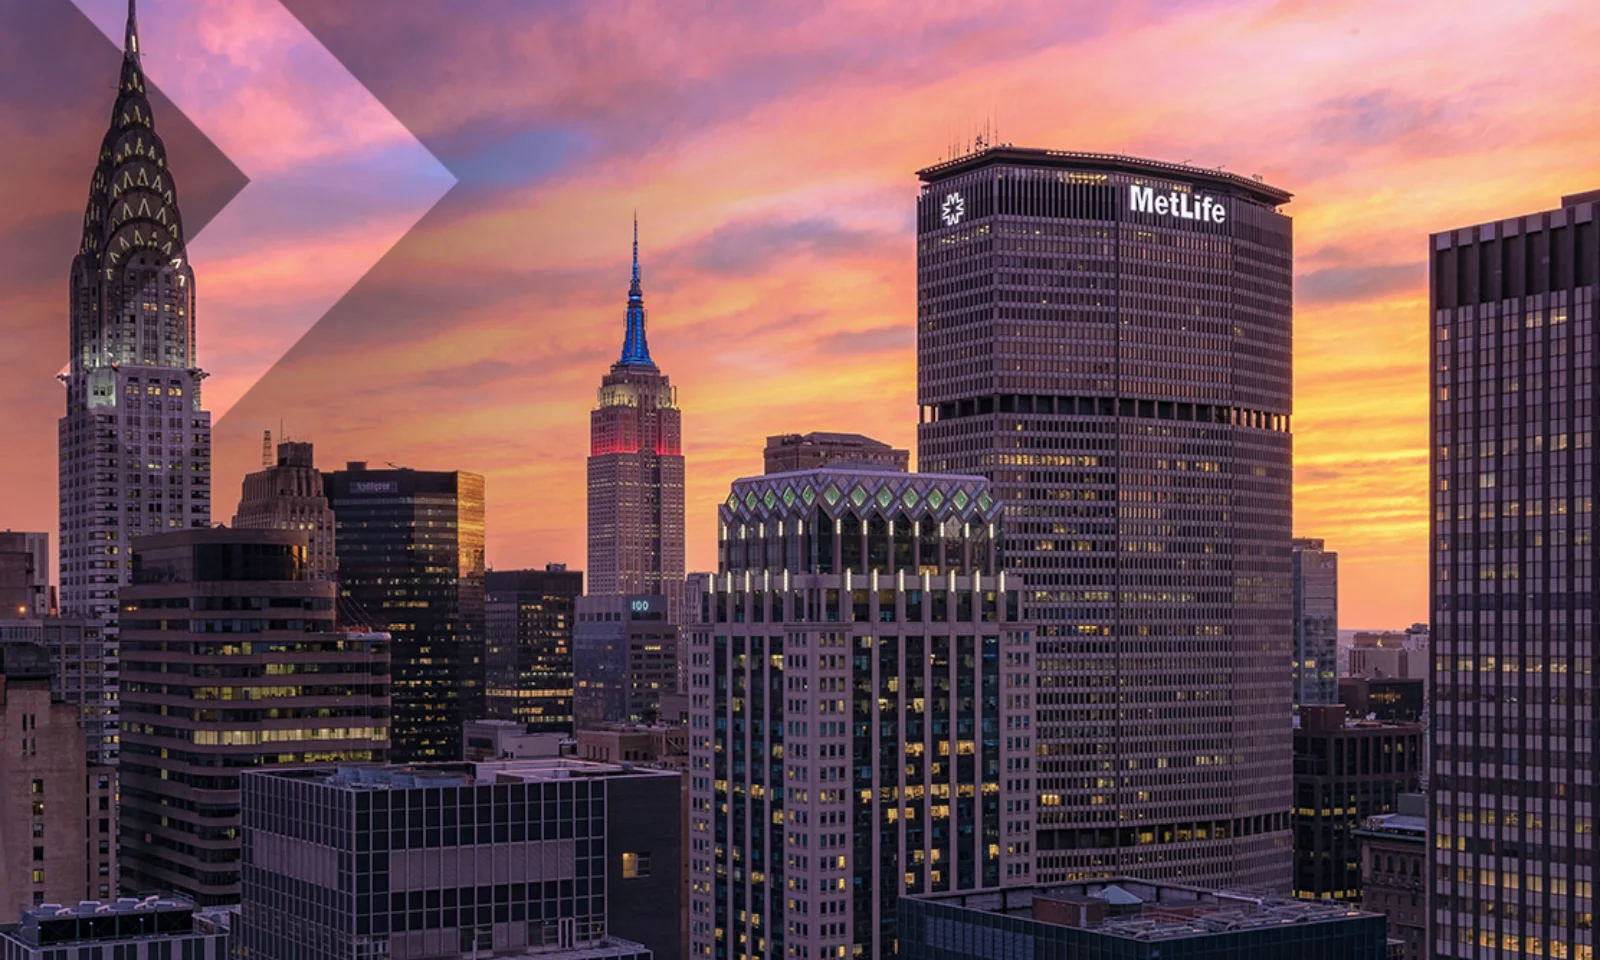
point(861, 719)
point(288, 495)
point(635, 471)
point(1512, 695)
point(231, 660)
point(1394, 870)
point(1128, 919)
point(556, 856)
point(789, 452)
point(626, 659)
point(529, 618)
point(1316, 623)
point(1344, 772)
point(135, 444)
point(1107, 339)
point(50, 849)
point(411, 565)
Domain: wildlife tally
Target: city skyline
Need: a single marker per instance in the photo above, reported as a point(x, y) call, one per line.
point(1375, 163)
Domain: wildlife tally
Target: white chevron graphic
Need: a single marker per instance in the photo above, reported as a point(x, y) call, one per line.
point(335, 179)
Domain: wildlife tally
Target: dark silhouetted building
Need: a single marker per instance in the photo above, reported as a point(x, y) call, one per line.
point(1107, 339)
point(791, 452)
point(529, 617)
point(135, 443)
point(1121, 918)
point(862, 712)
point(1391, 700)
point(452, 861)
point(1512, 589)
point(1316, 623)
point(411, 564)
point(1344, 772)
point(626, 659)
point(50, 849)
point(288, 495)
point(24, 575)
point(635, 470)
point(1394, 872)
point(231, 660)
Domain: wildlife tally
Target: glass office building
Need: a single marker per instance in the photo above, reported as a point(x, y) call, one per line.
point(1513, 707)
point(1107, 339)
point(410, 550)
point(529, 617)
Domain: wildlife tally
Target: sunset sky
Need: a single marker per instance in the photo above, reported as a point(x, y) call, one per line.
point(770, 151)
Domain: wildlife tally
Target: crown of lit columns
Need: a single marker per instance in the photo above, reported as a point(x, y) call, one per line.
point(133, 202)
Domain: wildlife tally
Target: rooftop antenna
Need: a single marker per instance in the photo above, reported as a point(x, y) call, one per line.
point(266, 448)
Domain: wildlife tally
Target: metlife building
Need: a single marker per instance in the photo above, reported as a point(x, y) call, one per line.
point(1107, 339)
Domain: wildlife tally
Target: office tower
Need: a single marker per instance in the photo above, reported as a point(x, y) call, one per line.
point(636, 471)
point(231, 660)
point(289, 496)
point(155, 928)
point(1107, 339)
point(1396, 699)
point(625, 659)
point(1513, 705)
point(529, 619)
point(48, 846)
point(789, 452)
point(1132, 919)
point(24, 574)
point(1390, 653)
point(1316, 623)
point(1394, 870)
point(1344, 772)
point(135, 443)
point(861, 720)
point(551, 858)
point(411, 564)
point(82, 673)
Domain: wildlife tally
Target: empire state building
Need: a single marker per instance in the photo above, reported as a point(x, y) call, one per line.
point(135, 443)
point(636, 471)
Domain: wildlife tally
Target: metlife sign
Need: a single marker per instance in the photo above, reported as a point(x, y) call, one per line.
point(1176, 204)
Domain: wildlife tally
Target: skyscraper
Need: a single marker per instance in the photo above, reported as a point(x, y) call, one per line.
point(410, 548)
point(1513, 704)
point(135, 443)
point(24, 574)
point(289, 496)
point(636, 471)
point(861, 719)
point(1108, 340)
point(1316, 623)
point(625, 660)
point(232, 660)
point(529, 620)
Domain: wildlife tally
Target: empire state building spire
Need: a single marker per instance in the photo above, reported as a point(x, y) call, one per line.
point(635, 348)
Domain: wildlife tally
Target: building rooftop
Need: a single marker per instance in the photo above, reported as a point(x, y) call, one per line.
point(126, 918)
point(1143, 910)
point(432, 775)
point(1256, 189)
point(865, 488)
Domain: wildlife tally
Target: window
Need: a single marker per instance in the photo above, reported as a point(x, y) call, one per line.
point(38, 876)
point(38, 854)
point(38, 808)
point(38, 788)
point(635, 865)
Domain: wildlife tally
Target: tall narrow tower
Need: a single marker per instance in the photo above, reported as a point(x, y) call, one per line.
point(135, 444)
point(636, 471)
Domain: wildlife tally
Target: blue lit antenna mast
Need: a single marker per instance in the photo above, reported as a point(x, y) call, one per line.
point(635, 348)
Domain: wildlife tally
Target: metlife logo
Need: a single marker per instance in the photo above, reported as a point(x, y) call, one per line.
point(1177, 204)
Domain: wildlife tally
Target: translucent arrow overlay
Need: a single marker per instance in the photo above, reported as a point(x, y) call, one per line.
point(335, 179)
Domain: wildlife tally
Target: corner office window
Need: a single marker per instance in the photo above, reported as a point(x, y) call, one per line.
point(635, 865)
